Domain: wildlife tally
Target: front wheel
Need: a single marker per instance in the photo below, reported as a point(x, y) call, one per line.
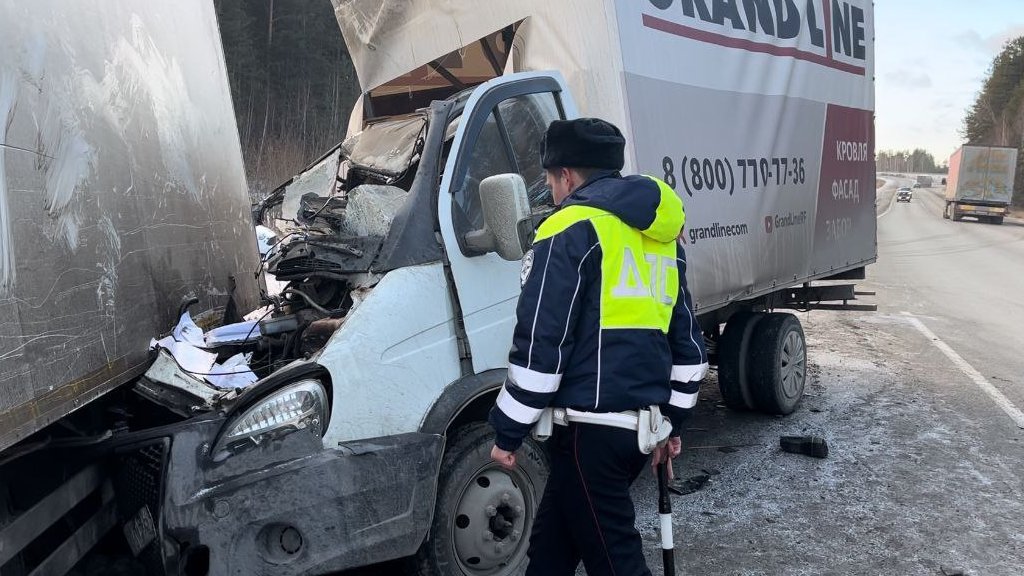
point(484, 513)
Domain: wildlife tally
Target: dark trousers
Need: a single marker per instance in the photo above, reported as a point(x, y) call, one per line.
point(586, 512)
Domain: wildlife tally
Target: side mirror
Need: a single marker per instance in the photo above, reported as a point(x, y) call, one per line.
point(508, 226)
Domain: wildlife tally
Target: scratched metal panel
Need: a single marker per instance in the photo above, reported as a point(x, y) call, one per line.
point(122, 191)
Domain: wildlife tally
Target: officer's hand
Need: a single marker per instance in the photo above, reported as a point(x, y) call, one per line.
point(504, 457)
point(675, 446)
point(665, 453)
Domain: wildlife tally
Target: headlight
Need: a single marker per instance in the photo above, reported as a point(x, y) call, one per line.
point(299, 406)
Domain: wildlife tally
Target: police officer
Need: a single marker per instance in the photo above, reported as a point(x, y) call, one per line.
point(605, 331)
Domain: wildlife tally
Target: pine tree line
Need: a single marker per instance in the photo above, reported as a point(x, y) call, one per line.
point(292, 82)
point(918, 161)
point(997, 116)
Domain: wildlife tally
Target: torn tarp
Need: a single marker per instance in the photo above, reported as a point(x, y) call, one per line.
point(190, 358)
point(236, 333)
point(186, 346)
point(232, 373)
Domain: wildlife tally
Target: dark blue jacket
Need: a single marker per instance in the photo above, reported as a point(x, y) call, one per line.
point(560, 354)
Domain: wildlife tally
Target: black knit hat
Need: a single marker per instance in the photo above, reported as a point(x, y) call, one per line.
point(583, 143)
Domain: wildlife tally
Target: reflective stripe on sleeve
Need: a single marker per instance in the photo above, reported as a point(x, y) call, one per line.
point(515, 409)
point(533, 381)
point(689, 372)
point(683, 400)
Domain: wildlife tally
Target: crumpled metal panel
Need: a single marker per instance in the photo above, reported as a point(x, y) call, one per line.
point(387, 148)
point(122, 192)
point(321, 180)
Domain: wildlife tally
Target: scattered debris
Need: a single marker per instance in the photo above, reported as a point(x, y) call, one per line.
point(948, 571)
point(688, 486)
point(807, 445)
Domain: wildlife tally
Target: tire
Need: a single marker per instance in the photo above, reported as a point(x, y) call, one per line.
point(945, 212)
point(778, 365)
point(470, 501)
point(733, 360)
point(997, 220)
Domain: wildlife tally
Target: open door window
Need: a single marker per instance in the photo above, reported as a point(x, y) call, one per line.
point(503, 135)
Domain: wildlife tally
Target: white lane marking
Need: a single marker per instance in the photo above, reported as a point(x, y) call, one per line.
point(892, 201)
point(1002, 401)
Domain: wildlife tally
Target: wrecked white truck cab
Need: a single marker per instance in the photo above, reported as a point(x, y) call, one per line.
point(378, 236)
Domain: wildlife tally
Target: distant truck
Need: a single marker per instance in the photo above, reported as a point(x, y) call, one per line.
point(924, 181)
point(980, 183)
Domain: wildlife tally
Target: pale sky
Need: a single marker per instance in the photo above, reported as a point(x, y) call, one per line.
point(930, 59)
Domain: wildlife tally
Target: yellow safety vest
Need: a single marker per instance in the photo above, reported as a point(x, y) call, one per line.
point(639, 275)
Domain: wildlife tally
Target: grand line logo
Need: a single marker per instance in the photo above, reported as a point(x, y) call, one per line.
point(811, 30)
point(778, 221)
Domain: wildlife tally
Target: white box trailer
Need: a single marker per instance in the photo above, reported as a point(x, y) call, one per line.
point(761, 121)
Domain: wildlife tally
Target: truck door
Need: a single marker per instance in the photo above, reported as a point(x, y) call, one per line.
point(499, 132)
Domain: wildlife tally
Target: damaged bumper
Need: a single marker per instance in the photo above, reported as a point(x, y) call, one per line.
point(292, 506)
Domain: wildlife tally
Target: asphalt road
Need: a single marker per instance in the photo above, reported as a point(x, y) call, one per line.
point(920, 404)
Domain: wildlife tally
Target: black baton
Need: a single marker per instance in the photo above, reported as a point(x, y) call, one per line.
point(668, 559)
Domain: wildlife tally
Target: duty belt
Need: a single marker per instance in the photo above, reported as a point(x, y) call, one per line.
point(651, 427)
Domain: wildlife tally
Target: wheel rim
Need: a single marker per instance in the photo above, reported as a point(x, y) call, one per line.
point(793, 364)
point(489, 528)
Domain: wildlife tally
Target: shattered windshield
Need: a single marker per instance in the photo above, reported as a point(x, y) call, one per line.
point(356, 189)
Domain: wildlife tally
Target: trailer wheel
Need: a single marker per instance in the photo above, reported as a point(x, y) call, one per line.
point(997, 220)
point(484, 513)
point(778, 365)
point(945, 212)
point(733, 360)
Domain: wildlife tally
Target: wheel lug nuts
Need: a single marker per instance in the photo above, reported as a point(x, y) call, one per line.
point(506, 497)
point(516, 534)
point(499, 547)
point(491, 511)
point(518, 510)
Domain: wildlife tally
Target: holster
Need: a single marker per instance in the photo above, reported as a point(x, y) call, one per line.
point(545, 425)
point(652, 428)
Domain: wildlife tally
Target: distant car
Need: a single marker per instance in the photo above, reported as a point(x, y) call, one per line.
point(904, 195)
point(917, 185)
